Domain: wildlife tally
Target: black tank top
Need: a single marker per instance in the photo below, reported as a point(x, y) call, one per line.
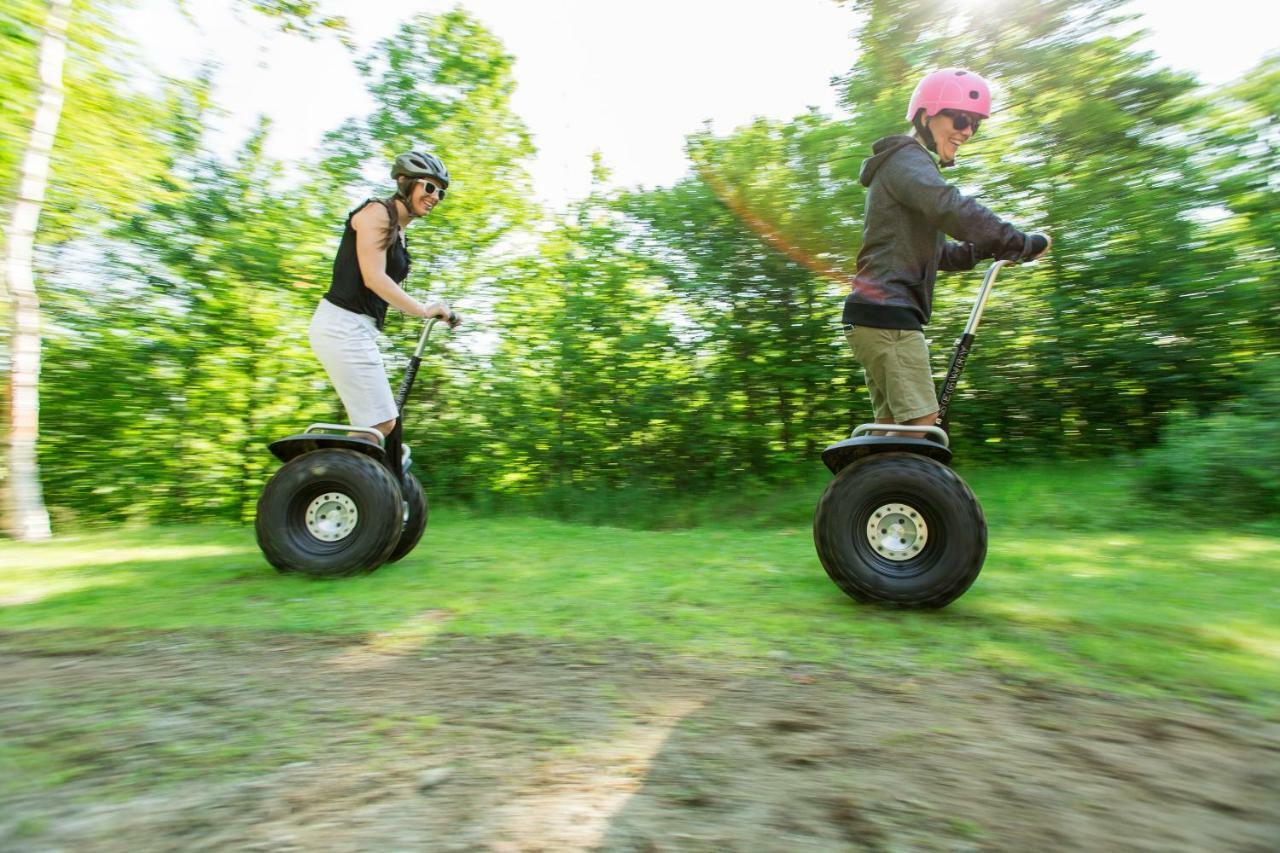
point(348, 289)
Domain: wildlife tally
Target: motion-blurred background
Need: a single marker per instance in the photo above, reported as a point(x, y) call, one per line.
point(665, 329)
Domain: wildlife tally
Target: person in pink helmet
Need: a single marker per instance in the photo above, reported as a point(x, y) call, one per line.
point(910, 212)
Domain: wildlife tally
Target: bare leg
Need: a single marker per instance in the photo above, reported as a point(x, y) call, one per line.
point(882, 421)
point(930, 419)
point(385, 428)
point(392, 443)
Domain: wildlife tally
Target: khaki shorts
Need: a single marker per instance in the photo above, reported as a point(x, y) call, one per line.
point(898, 374)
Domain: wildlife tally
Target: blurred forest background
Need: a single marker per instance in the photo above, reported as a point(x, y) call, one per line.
point(649, 342)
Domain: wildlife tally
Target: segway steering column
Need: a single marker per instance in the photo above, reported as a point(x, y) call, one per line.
point(961, 355)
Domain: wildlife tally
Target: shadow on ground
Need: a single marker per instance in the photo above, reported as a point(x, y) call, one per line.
point(192, 742)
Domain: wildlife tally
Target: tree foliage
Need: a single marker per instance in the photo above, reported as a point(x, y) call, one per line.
point(677, 338)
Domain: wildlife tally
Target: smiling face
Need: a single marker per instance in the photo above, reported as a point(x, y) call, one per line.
point(947, 137)
point(427, 193)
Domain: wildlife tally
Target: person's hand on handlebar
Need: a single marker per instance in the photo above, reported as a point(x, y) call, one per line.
point(1037, 240)
point(442, 310)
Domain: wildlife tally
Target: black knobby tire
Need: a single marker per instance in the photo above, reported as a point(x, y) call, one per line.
point(326, 479)
point(937, 559)
point(415, 524)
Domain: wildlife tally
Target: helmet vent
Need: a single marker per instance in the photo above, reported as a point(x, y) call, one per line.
point(973, 94)
point(961, 73)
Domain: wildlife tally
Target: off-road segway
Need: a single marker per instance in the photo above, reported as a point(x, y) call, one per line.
point(338, 506)
point(897, 525)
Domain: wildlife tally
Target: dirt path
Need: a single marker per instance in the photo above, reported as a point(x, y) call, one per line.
point(300, 744)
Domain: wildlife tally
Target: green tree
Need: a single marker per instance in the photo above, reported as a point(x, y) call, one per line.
point(228, 259)
point(753, 248)
point(1238, 150)
point(445, 83)
point(583, 379)
point(107, 128)
point(205, 310)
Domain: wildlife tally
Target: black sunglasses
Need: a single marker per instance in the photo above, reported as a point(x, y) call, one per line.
point(961, 121)
point(432, 188)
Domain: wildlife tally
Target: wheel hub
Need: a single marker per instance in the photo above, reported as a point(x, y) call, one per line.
point(897, 532)
point(332, 516)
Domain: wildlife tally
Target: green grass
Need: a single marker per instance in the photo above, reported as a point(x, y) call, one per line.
point(1080, 588)
point(1066, 495)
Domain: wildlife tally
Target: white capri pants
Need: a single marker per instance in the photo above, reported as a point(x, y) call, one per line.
point(347, 345)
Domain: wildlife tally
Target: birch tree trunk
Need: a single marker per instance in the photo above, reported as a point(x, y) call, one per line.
point(25, 516)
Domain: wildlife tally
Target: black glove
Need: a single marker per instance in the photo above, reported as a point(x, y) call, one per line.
point(1036, 244)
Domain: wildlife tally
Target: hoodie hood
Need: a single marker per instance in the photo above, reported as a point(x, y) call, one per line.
point(882, 150)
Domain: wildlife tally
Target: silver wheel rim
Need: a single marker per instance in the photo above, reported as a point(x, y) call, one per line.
point(897, 532)
point(332, 516)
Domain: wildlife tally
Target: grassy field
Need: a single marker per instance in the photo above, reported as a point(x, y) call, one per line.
point(1082, 587)
point(687, 678)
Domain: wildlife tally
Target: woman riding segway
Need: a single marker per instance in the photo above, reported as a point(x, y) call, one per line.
point(372, 261)
point(345, 501)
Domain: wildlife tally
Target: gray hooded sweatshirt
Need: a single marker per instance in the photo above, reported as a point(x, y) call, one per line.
point(909, 210)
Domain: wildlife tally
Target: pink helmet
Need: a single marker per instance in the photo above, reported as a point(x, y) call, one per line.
point(950, 89)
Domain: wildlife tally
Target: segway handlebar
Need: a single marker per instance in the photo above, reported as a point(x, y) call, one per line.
point(426, 332)
point(375, 436)
point(936, 432)
point(988, 281)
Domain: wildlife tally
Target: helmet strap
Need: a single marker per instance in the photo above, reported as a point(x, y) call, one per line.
point(406, 198)
point(926, 136)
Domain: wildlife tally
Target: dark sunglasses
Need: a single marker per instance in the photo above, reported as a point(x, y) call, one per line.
point(432, 188)
point(961, 121)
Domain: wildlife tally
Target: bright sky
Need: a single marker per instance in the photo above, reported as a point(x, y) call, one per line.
point(629, 79)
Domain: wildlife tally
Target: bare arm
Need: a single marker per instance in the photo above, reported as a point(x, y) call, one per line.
point(373, 233)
